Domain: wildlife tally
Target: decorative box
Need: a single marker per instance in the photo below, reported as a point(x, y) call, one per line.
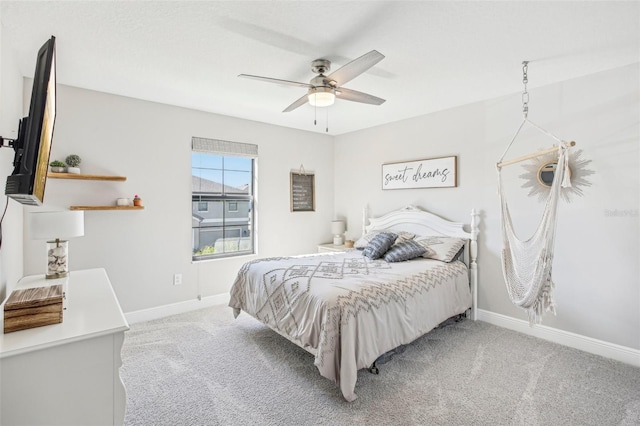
point(33, 307)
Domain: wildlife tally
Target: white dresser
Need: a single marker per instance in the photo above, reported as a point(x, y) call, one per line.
point(68, 373)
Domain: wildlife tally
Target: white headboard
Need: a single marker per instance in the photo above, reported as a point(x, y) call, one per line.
point(413, 219)
point(417, 221)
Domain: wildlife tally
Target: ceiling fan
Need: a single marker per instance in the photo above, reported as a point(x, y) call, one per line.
point(323, 89)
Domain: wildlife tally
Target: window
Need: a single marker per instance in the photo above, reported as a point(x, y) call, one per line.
point(223, 176)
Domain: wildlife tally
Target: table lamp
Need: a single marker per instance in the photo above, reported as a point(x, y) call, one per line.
point(56, 227)
point(337, 229)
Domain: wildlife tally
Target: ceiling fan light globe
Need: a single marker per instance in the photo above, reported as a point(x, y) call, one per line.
point(322, 99)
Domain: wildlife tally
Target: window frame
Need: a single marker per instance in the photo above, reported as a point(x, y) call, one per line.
point(200, 203)
point(225, 199)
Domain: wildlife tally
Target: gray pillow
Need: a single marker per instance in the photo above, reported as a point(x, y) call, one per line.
point(406, 250)
point(379, 245)
point(366, 239)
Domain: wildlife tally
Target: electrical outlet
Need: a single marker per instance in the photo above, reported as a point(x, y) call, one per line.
point(177, 279)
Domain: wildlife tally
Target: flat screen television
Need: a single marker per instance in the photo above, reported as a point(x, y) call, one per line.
point(35, 133)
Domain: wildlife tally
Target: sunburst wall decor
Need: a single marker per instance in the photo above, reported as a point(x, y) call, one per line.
point(540, 171)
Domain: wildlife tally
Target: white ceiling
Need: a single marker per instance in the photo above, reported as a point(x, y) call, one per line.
point(439, 54)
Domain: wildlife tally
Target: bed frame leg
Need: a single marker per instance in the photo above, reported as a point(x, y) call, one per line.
point(374, 369)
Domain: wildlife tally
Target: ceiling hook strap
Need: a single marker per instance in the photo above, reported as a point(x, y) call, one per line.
point(525, 94)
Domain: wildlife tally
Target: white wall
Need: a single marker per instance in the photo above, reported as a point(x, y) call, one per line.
point(150, 144)
point(10, 114)
point(596, 267)
point(596, 260)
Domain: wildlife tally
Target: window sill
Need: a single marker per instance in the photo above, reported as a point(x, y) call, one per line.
point(218, 259)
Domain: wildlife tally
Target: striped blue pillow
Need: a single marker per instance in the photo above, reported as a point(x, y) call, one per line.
point(406, 250)
point(379, 245)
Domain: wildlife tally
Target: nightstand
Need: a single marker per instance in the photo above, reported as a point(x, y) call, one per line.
point(330, 248)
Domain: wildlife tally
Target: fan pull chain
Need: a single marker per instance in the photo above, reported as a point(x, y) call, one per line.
point(315, 110)
point(315, 115)
point(327, 128)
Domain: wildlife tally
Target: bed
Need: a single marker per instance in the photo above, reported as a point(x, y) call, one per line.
point(348, 309)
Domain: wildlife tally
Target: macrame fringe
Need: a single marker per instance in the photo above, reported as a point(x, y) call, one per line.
point(544, 303)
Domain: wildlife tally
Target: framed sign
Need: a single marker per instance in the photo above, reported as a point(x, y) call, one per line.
point(303, 196)
point(429, 173)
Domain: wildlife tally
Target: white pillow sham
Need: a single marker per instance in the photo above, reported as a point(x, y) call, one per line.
point(441, 248)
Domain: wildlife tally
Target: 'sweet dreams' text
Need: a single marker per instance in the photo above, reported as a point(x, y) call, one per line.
point(402, 175)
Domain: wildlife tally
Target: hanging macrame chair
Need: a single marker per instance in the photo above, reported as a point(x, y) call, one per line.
point(526, 264)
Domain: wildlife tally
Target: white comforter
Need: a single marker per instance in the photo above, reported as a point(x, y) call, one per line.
point(348, 309)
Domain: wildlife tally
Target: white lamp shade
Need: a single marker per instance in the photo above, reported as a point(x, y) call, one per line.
point(58, 224)
point(338, 227)
point(321, 96)
point(322, 99)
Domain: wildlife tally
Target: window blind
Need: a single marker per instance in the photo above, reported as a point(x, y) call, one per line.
point(220, 147)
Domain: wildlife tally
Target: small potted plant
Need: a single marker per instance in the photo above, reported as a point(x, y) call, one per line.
point(57, 166)
point(137, 201)
point(73, 161)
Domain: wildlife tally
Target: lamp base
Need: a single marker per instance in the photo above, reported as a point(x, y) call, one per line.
point(56, 275)
point(338, 240)
point(57, 259)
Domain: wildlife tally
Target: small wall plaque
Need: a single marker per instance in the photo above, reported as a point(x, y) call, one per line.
point(303, 197)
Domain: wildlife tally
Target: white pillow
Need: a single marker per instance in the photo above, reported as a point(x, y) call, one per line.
point(441, 248)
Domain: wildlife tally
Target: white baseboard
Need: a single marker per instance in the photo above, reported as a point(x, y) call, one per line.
point(566, 338)
point(176, 308)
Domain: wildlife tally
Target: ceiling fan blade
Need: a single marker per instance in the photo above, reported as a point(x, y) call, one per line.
point(355, 68)
point(277, 81)
point(303, 100)
point(355, 96)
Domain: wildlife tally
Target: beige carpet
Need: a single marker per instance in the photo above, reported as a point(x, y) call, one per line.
point(205, 368)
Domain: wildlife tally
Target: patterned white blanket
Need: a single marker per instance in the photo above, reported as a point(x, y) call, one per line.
point(348, 309)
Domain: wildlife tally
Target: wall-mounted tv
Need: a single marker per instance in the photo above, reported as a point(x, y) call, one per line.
point(35, 133)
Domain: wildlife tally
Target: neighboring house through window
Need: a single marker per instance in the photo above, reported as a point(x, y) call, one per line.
point(223, 181)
